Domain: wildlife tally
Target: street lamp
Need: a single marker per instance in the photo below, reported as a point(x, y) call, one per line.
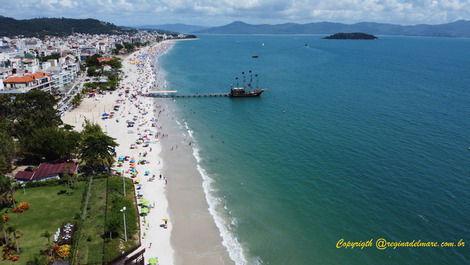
point(123, 211)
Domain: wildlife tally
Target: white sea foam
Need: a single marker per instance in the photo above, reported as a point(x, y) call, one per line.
point(229, 240)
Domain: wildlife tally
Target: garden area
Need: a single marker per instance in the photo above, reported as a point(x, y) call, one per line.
point(39, 213)
point(115, 243)
point(101, 236)
point(88, 240)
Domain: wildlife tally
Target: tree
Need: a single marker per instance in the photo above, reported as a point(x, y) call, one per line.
point(115, 64)
point(51, 143)
point(7, 152)
point(97, 148)
point(93, 60)
point(3, 226)
point(76, 100)
point(6, 191)
point(13, 230)
point(33, 110)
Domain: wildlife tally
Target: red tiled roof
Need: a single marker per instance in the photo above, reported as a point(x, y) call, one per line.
point(104, 59)
point(47, 169)
point(24, 175)
point(19, 79)
point(27, 78)
point(40, 74)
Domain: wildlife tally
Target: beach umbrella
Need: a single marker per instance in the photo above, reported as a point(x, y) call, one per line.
point(137, 180)
point(105, 114)
point(133, 160)
point(147, 172)
point(119, 170)
point(144, 210)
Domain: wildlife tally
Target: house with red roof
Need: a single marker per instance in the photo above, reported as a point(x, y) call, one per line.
point(47, 171)
point(28, 81)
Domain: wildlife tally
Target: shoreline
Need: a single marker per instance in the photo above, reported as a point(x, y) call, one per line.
point(192, 235)
point(139, 76)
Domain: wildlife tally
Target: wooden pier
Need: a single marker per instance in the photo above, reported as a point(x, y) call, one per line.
point(172, 95)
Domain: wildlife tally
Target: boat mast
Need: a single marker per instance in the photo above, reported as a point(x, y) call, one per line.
point(257, 81)
point(236, 78)
point(244, 79)
point(251, 78)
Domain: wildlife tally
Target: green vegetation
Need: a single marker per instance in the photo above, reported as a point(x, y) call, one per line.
point(6, 192)
point(89, 242)
point(114, 231)
point(93, 61)
point(39, 27)
point(76, 100)
point(48, 57)
point(51, 143)
point(31, 119)
point(97, 149)
point(21, 117)
point(128, 46)
point(101, 236)
point(351, 36)
point(50, 208)
point(7, 152)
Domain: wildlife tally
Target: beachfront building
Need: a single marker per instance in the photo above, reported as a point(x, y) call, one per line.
point(22, 83)
point(47, 171)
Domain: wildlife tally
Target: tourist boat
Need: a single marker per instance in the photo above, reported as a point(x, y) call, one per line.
point(241, 92)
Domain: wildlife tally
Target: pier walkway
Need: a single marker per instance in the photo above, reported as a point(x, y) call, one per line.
point(171, 95)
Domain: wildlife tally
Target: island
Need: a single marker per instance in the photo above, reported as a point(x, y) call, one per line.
point(351, 36)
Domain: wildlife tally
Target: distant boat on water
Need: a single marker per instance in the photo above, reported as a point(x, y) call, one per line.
point(254, 56)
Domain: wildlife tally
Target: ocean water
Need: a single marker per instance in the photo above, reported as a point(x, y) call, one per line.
point(353, 139)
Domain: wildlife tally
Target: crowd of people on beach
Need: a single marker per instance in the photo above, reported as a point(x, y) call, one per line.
point(138, 159)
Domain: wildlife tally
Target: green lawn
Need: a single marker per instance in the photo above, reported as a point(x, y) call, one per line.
point(115, 246)
point(48, 212)
point(90, 240)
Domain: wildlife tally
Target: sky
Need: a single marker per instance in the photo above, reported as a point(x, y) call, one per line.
point(220, 12)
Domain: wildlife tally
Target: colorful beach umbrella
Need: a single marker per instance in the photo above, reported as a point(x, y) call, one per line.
point(153, 261)
point(144, 210)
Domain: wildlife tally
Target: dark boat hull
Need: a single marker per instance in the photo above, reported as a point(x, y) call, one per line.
point(248, 94)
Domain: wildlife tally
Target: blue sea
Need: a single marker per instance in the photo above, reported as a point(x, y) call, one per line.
point(352, 140)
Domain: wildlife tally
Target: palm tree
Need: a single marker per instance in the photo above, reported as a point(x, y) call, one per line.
point(6, 190)
point(12, 229)
point(3, 226)
point(47, 235)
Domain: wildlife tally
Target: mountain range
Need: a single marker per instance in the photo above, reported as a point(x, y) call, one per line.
point(460, 28)
point(178, 27)
point(38, 27)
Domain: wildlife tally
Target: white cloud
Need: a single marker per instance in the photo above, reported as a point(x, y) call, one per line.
point(140, 11)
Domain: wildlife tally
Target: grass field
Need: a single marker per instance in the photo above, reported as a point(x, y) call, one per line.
point(115, 246)
point(90, 239)
point(48, 212)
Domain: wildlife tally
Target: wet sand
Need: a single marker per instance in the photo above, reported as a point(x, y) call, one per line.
point(195, 237)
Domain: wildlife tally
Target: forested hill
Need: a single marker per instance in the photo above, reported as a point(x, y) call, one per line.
point(38, 27)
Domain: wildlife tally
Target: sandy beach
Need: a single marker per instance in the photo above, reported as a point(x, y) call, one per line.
point(167, 174)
